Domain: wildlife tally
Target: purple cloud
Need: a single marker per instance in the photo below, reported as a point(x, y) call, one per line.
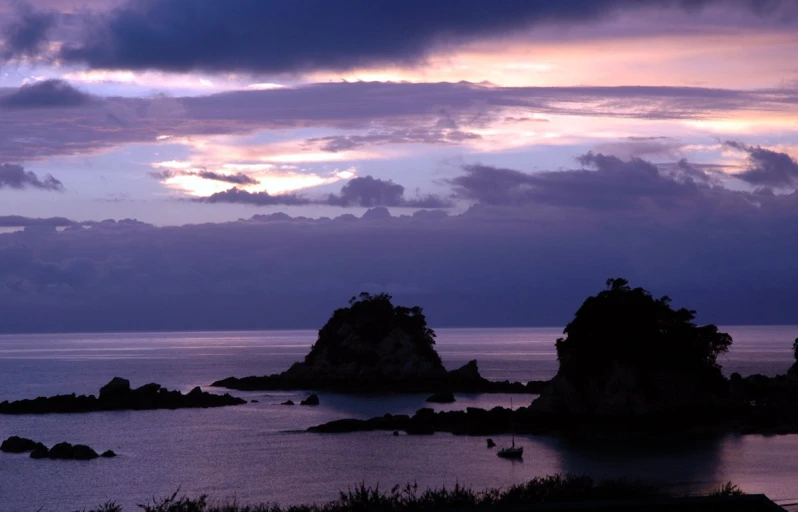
point(45, 94)
point(364, 192)
point(369, 191)
point(236, 195)
point(238, 178)
point(251, 34)
point(727, 253)
point(767, 167)
point(26, 33)
point(100, 125)
point(16, 177)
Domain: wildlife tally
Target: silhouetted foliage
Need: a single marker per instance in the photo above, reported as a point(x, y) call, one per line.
point(408, 498)
point(372, 318)
point(628, 326)
point(795, 349)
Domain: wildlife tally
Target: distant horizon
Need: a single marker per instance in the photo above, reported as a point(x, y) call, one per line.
point(309, 329)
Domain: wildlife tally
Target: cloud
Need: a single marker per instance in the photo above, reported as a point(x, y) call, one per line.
point(728, 254)
point(607, 182)
point(336, 143)
point(15, 176)
point(45, 94)
point(767, 167)
point(26, 33)
point(364, 192)
point(17, 221)
point(238, 178)
point(97, 126)
point(252, 34)
point(369, 191)
point(236, 195)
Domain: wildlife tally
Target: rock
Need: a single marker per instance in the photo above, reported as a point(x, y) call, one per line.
point(115, 388)
point(395, 433)
point(491, 444)
point(108, 454)
point(311, 400)
point(83, 452)
point(288, 402)
point(116, 396)
point(16, 444)
point(254, 401)
point(467, 372)
point(442, 397)
point(40, 452)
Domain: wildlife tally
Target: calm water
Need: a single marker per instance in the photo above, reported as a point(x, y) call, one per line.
point(259, 452)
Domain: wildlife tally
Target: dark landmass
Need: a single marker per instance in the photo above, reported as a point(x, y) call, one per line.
point(116, 396)
point(442, 397)
point(373, 346)
point(554, 492)
point(629, 363)
point(60, 451)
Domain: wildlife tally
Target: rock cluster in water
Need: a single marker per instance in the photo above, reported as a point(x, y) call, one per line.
point(118, 395)
point(374, 346)
point(60, 451)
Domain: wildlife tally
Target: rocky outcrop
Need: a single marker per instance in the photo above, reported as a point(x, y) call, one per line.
point(16, 444)
point(625, 390)
point(61, 451)
point(442, 397)
point(454, 380)
point(374, 346)
point(311, 400)
point(118, 395)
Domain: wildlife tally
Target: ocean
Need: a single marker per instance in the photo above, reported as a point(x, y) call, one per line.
point(260, 452)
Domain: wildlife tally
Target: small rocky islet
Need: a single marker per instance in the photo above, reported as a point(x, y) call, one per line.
point(372, 346)
point(59, 451)
point(117, 395)
point(629, 363)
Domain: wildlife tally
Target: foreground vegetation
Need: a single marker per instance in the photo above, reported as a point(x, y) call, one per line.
point(546, 489)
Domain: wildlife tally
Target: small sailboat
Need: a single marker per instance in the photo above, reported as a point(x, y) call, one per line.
point(513, 451)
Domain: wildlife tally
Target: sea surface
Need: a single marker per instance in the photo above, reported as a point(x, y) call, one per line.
point(260, 452)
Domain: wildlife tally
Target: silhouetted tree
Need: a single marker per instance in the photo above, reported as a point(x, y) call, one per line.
point(624, 325)
point(795, 349)
point(372, 318)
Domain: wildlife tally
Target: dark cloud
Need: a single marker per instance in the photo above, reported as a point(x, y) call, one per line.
point(259, 36)
point(45, 94)
point(236, 195)
point(15, 176)
point(608, 182)
point(767, 167)
point(369, 191)
point(364, 192)
point(17, 221)
point(26, 32)
point(238, 178)
point(728, 254)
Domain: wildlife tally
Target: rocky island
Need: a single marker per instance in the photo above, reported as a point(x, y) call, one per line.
point(60, 451)
point(628, 362)
point(116, 396)
point(374, 346)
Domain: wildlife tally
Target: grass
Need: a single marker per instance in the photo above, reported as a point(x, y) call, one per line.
point(407, 498)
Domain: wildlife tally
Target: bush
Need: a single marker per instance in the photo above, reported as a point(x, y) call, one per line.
point(362, 498)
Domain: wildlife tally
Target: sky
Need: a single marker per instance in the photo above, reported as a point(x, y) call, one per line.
point(253, 164)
